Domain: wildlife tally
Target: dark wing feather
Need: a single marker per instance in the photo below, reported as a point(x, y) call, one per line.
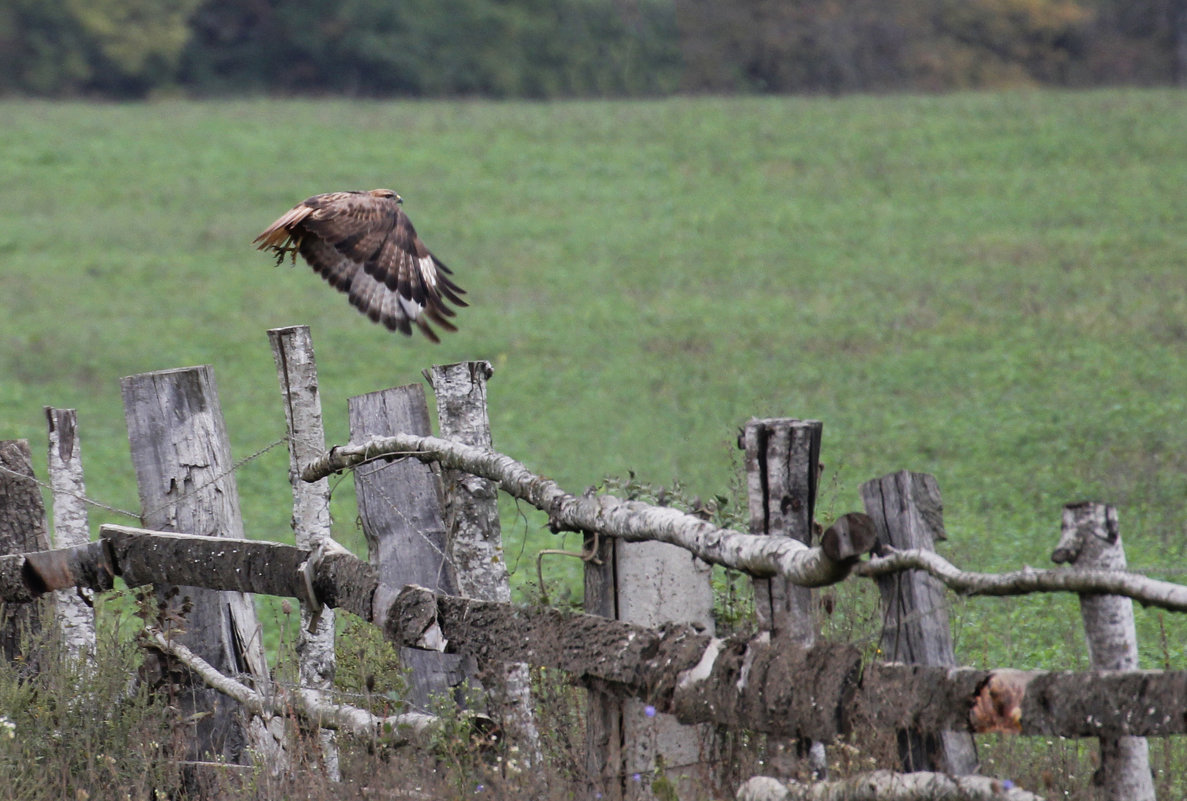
point(363, 244)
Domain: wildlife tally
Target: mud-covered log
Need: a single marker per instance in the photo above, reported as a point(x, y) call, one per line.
point(156, 557)
point(688, 673)
point(698, 678)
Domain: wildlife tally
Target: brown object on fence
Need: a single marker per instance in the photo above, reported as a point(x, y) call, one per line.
point(908, 515)
point(400, 506)
point(1091, 537)
point(22, 528)
point(182, 459)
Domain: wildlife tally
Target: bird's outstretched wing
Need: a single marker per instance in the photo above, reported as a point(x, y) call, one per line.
point(363, 244)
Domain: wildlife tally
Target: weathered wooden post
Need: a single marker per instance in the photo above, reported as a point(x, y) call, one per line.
point(22, 528)
point(296, 370)
point(907, 513)
point(400, 506)
point(476, 539)
point(1091, 539)
point(782, 459)
point(76, 620)
point(649, 584)
point(182, 459)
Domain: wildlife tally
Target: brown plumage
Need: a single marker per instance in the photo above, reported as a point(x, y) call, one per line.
point(363, 244)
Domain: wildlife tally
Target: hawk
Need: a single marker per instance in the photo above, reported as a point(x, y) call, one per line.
point(363, 244)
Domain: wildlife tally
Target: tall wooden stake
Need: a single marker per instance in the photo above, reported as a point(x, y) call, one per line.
point(400, 506)
point(782, 458)
point(182, 459)
point(1091, 538)
point(476, 538)
point(76, 619)
point(296, 369)
point(22, 529)
point(907, 513)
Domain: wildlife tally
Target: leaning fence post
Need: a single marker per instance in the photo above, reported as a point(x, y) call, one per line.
point(182, 458)
point(782, 459)
point(22, 529)
point(1091, 538)
point(400, 507)
point(476, 538)
point(76, 620)
point(296, 370)
point(908, 513)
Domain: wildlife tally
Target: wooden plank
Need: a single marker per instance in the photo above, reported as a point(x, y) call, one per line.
point(907, 513)
point(296, 370)
point(1091, 538)
point(182, 458)
point(22, 528)
point(76, 618)
point(400, 507)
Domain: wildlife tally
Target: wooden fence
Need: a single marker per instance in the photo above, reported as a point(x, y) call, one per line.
point(660, 680)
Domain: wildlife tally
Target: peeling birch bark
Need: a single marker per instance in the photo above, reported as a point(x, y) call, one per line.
point(1091, 537)
point(475, 539)
point(296, 370)
point(883, 785)
point(76, 617)
point(632, 521)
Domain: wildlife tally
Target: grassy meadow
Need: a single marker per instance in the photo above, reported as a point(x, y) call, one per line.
point(986, 287)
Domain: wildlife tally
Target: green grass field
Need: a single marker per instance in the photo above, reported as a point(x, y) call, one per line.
point(987, 287)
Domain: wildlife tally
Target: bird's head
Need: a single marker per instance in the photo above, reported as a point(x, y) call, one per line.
point(387, 193)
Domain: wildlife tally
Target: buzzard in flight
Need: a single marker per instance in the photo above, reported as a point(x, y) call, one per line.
point(363, 244)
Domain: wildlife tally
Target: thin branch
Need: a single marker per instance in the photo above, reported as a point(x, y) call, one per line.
point(632, 521)
point(1146, 591)
point(410, 728)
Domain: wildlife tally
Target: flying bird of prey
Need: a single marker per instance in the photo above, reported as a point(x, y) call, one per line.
point(363, 244)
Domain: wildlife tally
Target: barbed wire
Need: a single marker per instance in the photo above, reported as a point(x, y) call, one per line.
point(148, 513)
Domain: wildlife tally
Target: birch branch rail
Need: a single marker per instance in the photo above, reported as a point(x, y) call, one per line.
point(1146, 591)
point(410, 728)
point(631, 521)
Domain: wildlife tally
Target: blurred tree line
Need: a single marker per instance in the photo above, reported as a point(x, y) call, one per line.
point(562, 48)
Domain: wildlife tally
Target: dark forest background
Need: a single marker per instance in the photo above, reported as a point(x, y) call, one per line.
point(124, 49)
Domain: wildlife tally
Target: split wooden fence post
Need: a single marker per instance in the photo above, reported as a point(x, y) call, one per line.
point(400, 506)
point(782, 459)
point(476, 539)
point(296, 370)
point(908, 513)
point(22, 529)
point(648, 584)
point(1091, 538)
point(76, 619)
point(183, 465)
